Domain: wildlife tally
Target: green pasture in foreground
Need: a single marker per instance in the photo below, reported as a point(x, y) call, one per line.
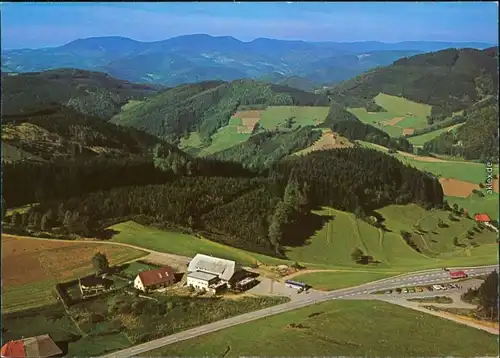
point(342, 328)
point(304, 116)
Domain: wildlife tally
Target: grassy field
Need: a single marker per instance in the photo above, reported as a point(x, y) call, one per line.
point(191, 144)
point(410, 114)
point(226, 137)
point(402, 106)
point(328, 281)
point(420, 140)
point(333, 244)
point(342, 328)
point(176, 243)
point(457, 169)
point(276, 115)
point(31, 268)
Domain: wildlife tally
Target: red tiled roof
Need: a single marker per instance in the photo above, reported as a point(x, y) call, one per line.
point(153, 277)
point(482, 217)
point(13, 349)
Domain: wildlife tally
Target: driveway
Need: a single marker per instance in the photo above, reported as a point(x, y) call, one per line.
point(268, 287)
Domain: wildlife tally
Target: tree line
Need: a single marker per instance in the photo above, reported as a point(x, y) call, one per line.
point(251, 211)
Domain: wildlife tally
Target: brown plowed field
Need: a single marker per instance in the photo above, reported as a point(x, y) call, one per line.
point(32, 267)
point(26, 261)
point(459, 188)
point(248, 120)
point(408, 131)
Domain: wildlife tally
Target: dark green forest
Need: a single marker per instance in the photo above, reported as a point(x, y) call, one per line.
point(92, 93)
point(477, 139)
point(263, 149)
point(251, 211)
point(449, 80)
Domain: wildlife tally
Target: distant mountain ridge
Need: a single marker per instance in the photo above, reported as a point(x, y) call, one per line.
point(195, 58)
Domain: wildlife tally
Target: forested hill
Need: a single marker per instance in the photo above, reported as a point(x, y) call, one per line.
point(207, 106)
point(92, 93)
point(449, 80)
point(58, 133)
point(476, 139)
point(248, 210)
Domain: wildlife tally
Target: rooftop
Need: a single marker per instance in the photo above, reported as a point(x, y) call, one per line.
point(161, 275)
point(202, 275)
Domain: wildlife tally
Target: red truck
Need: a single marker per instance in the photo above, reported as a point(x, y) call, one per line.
point(457, 274)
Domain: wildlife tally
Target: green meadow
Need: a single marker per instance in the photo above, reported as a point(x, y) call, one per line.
point(414, 114)
point(275, 116)
point(341, 328)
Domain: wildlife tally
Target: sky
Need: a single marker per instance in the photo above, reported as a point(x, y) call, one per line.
point(36, 25)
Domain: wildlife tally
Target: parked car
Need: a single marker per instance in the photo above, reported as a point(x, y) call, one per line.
point(430, 288)
point(404, 290)
point(420, 289)
point(436, 287)
point(443, 287)
point(412, 290)
point(398, 290)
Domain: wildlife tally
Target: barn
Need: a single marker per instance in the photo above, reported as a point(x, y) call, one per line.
point(207, 271)
point(153, 279)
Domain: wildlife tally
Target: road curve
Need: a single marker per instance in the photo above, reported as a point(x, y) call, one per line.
point(421, 278)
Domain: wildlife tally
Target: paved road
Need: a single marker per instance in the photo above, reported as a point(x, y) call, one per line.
point(422, 278)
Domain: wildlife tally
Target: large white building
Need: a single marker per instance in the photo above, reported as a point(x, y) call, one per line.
point(206, 271)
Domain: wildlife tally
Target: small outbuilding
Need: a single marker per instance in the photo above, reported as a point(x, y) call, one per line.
point(201, 280)
point(94, 284)
point(153, 279)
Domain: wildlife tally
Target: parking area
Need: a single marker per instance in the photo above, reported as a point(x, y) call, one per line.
point(267, 286)
point(442, 288)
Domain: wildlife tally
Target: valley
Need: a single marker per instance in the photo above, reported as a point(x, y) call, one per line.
point(195, 195)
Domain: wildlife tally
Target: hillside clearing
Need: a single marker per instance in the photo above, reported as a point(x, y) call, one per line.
point(248, 120)
point(32, 267)
point(401, 116)
point(459, 188)
point(226, 137)
point(341, 328)
point(420, 140)
point(175, 242)
point(275, 116)
point(328, 140)
point(468, 171)
point(402, 106)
